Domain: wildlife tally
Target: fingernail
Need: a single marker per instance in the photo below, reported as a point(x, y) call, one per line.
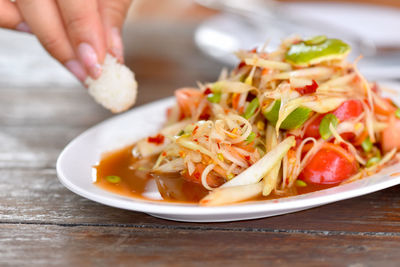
point(116, 44)
point(23, 27)
point(76, 68)
point(89, 58)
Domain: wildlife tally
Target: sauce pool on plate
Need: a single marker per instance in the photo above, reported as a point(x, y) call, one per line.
point(121, 173)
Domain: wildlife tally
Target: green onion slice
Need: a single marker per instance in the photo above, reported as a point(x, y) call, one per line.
point(367, 145)
point(301, 183)
point(250, 138)
point(214, 97)
point(372, 161)
point(397, 113)
point(113, 179)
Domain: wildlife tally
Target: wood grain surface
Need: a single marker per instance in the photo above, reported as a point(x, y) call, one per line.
point(44, 224)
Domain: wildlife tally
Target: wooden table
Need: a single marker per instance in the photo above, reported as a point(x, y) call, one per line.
point(42, 108)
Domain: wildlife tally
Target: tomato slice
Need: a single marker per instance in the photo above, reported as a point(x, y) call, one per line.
point(312, 129)
point(332, 164)
point(348, 110)
point(391, 135)
point(188, 100)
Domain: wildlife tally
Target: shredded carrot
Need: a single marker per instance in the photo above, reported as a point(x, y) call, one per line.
point(265, 71)
point(361, 138)
point(248, 147)
point(235, 101)
point(220, 171)
point(234, 152)
point(385, 110)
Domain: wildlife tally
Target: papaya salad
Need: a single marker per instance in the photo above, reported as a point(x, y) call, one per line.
point(298, 117)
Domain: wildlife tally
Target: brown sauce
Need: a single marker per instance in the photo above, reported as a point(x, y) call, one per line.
point(136, 181)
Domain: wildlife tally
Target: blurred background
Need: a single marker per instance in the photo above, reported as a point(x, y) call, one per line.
point(182, 41)
point(170, 44)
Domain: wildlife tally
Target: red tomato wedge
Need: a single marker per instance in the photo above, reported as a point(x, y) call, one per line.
point(312, 129)
point(188, 100)
point(348, 110)
point(330, 165)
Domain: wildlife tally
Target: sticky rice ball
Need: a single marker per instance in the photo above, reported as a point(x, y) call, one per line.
point(116, 88)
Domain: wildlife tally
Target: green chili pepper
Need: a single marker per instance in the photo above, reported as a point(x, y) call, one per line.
point(301, 183)
point(113, 179)
point(367, 145)
point(372, 161)
point(316, 50)
point(214, 97)
point(324, 130)
point(250, 138)
point(251, 108)
point(181, 132)
point(397, 113)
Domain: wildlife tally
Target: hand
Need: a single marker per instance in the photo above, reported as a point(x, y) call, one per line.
point(77, 33)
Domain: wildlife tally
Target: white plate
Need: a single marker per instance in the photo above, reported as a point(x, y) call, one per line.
point(75, 172)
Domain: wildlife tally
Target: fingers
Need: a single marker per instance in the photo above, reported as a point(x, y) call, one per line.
point(85, 31)
point(113, 14)
point(10, 17)
point(45, 22)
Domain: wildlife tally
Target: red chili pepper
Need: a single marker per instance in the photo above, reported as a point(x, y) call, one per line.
point(207, 91)
point(158, 139)
point(308, 89)
point(205, 116)
point(195, 130)
point(241, 65)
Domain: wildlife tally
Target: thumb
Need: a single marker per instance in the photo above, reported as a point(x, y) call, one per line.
point(113, 14)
